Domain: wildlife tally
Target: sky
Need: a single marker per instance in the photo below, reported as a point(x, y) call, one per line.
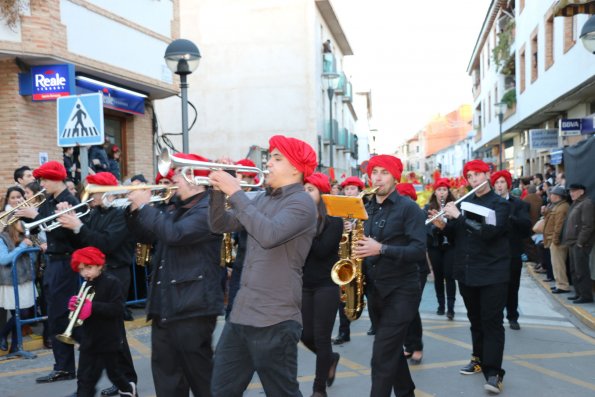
point(413, 56)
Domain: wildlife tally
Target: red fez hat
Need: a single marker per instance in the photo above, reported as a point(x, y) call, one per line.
point(502, 174)
point(246, 163)
point(355, 181)
point(442, 182)
point(407, 189)
point(194, 157)
point(170, 176)
point(102, 178)
point(475, 165)
point(321, 181)
point(115, 148)
point(299, 153)
point(391, 163)
point(89, 256)
point(51, 170)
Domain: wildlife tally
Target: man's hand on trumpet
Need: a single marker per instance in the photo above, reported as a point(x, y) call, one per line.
point(138, 198)
point(225, 182)
point(68, 220)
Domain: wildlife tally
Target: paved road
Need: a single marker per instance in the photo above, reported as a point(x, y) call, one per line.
point(549, 356)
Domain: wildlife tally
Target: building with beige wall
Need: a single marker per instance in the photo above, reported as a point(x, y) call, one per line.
point(260, 75)
point(117, 45)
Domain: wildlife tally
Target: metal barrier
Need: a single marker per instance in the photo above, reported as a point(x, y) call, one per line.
point(136, 299)
point(18, 321)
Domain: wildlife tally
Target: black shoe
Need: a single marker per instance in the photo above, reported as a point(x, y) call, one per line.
point(559, 291)
point(110, 391)
point(583, 300)
point(450, 315)
point(440, 311)
point(573, 298)
point(128, 315)
point(493, 384)
point(333, 370)
point(371, 331)
point(339, 340)
point(55, 376)
point(553, 288)
point(474, 367)
point(514, 325)
point(47, 343)
point(3, 344)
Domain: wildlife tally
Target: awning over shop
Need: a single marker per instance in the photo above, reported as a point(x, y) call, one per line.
point(568, 8)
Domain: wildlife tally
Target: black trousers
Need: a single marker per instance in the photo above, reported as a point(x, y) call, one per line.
point(344, 323)
point(269, 351)
point(319, 306)
point(580, 271)
point(60, 283)
point(442, 262)
point(413, 340)
point(512, 302)
point(485, 310)
point(182, 356)
point(91, 366)
point(390, 370)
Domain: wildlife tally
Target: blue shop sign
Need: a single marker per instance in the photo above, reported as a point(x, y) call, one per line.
point(573, 127)
point(557, 156)
point(47, 82)
point(116, 98)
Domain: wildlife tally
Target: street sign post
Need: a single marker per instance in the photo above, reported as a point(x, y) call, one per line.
point(80, 120)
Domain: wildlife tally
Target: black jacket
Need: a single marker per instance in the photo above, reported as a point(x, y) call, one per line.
point(323, 254)
point(102, 331)
point(397, 223)
point(186, 280)
point(483, 251)
point(106, 229)
point(519, 224)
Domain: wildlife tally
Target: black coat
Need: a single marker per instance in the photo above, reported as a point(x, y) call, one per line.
point(483, 251)
point(186, 279)
point(323, 254)
point(102, 331)
point(519, 224)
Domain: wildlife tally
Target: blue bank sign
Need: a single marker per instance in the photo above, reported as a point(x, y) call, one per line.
point(113, 97)
point(49, 82)
point(570, 127)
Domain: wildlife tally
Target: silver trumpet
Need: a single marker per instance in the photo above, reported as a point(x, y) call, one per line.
point(85, 292)
point(45, 225)
point(110, 193)
point(167, 161)
point(438, 215)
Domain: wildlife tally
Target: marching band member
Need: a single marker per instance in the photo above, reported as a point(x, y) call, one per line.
point(102, 325)
point(105, 228)
point(519, 229)
point(60, 283)
point(395, 246)
point(441, 251)
point(483, 272)
point(265, 323)
point(320, 295)
point(185, 297)
point(23, 176)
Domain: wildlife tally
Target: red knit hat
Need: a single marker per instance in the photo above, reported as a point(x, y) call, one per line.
point(52, 170)
point(102, 178)
point(442, 182)
point(407, 189)
point(194, 157)
point(355, 181)
point(89, 256)
point(502, 174)
point(170, 176)
point(391, 163)
point(299, 153)
point(475, 165)
point(246, 163)
point(321, 181)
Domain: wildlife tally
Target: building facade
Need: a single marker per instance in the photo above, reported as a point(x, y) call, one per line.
point(111, 47)
point(260, 75)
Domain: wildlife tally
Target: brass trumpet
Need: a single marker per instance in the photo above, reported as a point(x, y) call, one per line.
point(85, 292)
point(43, 224)
point(6, 218)
point(110, 192)
point(167, 161)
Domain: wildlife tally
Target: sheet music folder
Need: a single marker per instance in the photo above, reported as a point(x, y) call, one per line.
point(345, 206)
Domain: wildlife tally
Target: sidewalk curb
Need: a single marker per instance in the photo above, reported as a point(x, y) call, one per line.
point(31, 344)
point(584, 316)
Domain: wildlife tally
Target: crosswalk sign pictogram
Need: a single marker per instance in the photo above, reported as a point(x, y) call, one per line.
point(80, 120)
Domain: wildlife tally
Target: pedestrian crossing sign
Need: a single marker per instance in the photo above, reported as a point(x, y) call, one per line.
point(80, 120)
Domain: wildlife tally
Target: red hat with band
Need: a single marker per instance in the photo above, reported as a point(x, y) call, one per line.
point(246, 163)
point(476, 166)
point(102, 178)
point(407, 189)
point(442, 182)
point(391, 163)
point(502, 174)
point(354, 181)
point(89, 256)
point(52, 170)
point(299, 153)
point(321, 181)
point(194, 157)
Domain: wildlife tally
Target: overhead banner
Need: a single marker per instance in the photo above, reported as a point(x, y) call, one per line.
point(113, 97)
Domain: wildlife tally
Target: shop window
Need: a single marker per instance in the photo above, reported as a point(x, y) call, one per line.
point(115, 134)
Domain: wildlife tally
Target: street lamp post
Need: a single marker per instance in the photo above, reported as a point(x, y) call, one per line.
point(330, 83)
point(182, 57)
point(588, 35)
point(501, 108)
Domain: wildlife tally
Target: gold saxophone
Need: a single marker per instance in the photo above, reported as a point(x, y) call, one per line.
point(226, 253)
point(143, 254)
point(347, 272)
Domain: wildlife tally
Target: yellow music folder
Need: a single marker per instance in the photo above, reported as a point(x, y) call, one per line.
point(345, 206)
